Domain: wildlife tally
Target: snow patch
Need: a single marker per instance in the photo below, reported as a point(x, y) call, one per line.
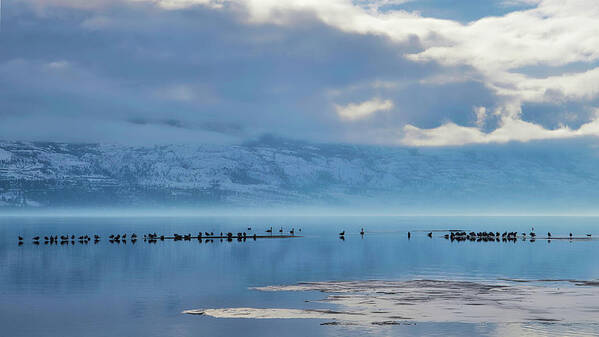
point(5, 155)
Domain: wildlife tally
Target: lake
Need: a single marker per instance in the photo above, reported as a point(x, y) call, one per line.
point(124, 289)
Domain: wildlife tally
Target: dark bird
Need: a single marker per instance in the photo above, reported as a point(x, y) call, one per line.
point(249, 228)
point(292, 231)
point(36, 238)
point(589, 235)
point(20, 238)
point(269, 230)
point(281, 230)
point(548, 234)
point(133, 236)
point(570, 235)
point(342, 233)
point(430, 234)
point(409, 235)
point(362, 231)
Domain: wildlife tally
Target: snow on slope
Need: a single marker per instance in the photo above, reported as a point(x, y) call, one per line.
point(286, 172)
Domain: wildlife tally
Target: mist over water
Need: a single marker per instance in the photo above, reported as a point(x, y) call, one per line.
point(123, 289)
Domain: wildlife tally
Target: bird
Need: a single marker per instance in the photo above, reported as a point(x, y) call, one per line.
point(269, 230)
point(292, 231)
point(548, 234)
point(589, 235)
point(409, 235)
point(570, 235)
point(249, 228)
point(342, 233)
point(20, 238)
point(362, 231)
point(36, 238)
point(281, 230)
point(430, 234)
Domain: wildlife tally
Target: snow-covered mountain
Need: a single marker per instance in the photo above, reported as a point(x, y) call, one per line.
point(282, 172)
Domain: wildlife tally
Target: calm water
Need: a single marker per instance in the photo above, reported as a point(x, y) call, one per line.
point(140, 290)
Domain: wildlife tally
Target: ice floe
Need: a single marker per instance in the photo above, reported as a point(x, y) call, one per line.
point(376, 302)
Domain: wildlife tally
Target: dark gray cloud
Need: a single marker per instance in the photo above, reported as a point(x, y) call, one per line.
point(136, 73)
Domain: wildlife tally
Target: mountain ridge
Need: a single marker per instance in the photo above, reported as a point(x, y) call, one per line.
point(270, 172)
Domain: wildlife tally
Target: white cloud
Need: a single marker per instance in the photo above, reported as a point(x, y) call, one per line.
point(355, 111)
point(57, 65)
point(180, 92)
point(180, 4)
point(481, 115)
point(511, 129)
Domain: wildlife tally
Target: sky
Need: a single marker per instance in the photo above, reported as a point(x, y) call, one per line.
point(424, 73)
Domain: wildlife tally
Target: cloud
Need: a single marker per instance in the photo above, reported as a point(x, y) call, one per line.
point(266, 65)
point(481, 115)
point(180, 4)
point(511, 129)
point(355, 111)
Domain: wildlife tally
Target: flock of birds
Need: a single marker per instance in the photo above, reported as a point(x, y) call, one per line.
point(505, 236)
point(154, 237)
point(454, 235)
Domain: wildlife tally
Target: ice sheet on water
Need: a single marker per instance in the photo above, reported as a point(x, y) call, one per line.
point(398, 302)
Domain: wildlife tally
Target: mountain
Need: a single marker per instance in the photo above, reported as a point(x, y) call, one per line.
point(273, 172)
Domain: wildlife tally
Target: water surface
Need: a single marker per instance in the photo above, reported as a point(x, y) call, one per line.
point(141, 289)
